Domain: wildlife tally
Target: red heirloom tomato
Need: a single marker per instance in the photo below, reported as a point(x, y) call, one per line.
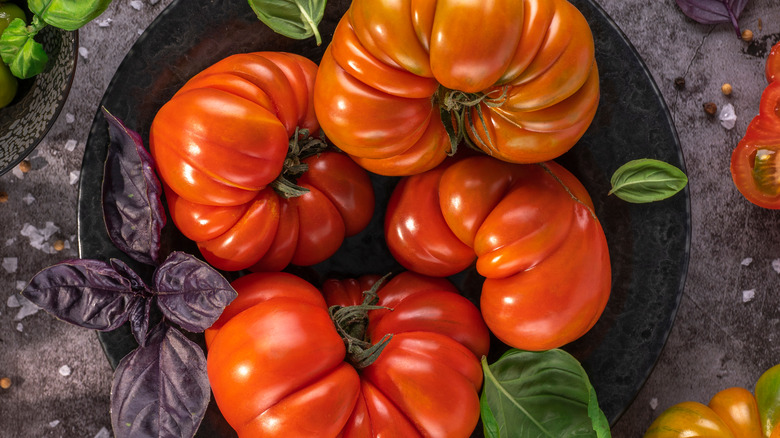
point(278, 365)
point(518, 77)
point(754, 162)
point(533, 232)
point(220, 144)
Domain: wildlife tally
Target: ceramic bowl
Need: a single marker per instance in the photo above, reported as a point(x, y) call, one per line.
point(39, 100)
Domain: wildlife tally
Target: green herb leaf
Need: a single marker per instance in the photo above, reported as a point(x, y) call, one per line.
point(539, 394)
point(68, 14)
point(296, 19)
point(18, 48)
point(647, 180)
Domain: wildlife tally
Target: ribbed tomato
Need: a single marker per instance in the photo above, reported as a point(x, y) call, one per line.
point(754, 162)
point(278, 365)
point(533, 232)
point(221, 142)
point(520, 77)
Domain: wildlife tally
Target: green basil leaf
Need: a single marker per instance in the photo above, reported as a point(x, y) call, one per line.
point(68, 14)
point(539, 394)
point(18, 48)
point(647, 180)
point(297, 19)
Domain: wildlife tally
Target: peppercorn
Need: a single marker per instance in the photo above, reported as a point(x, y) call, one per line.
point(747, 35)
point(5, 382)
point(726, 89)
point(25, 166)
point(710, 108)
point(3, 196)
point(58, 245)
point(679, 83)
point(760, 25)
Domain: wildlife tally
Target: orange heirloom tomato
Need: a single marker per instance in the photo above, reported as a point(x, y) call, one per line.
point(519, 75)
point(278, 365)
point(533, 232)
point(219, 144)
point(754, 162)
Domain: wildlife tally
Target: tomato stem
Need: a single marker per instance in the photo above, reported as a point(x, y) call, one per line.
point(456, 109)
point(302, 145)
point(352, 323)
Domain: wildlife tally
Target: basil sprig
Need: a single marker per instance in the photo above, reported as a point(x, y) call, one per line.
point(647, 180)
point(19, 50)
point(529, 394)
point(161, 388)
point(297, 19)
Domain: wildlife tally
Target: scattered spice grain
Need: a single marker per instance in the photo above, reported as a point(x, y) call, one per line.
point(5, 382)
point(58, 245)
point(679, 83)
point(710, 108)
point(726, 89)
point(3, 196)
point(747, 35)
point(25, 166)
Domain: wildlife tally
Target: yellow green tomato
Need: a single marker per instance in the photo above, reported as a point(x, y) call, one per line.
point(9, 12)
point(8, 82)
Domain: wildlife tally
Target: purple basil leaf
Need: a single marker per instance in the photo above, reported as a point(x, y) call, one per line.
point(161, 389)
point(713, 11)
point(190, 292)
point(132, 206)
point(139, 320)
point(88, 293)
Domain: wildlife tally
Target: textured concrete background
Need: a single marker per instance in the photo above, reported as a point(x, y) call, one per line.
point(61, 380)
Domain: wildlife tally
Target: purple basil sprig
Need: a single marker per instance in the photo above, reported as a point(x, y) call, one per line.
point(161, 388)
point(714, 11)
point(132, 206)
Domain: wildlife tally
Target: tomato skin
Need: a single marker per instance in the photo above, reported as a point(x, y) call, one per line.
point(379, 83)
point(222, 139)
point(268, 381)
point(738, 408)
point(688, 419)
point(537, 242)
point(763, 133)
point(772, 68)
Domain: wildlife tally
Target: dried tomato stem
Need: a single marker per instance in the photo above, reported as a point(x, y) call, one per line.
point(455, 108)
point(352, 323)
point(302, 145)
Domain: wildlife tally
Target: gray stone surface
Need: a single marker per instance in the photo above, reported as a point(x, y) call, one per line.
point(717, 339)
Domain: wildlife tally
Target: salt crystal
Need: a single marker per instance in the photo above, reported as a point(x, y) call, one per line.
point(137, 4)
point(103, 433)
point(10, 264)
point(74, 176)
point(19, 327)
point(28, 199)
point(17, 172)
point(728, 118)
point(10, 241)
point(748, 295)
point(64, 371)
point(104, 22)
point(28, 308)
point(38, 237)
point(54, 423)
point(69, 118)
point(20, 285)
point(70, 145)
point(84, 52)
point(746, 261)
point(653, 403)
point(776, 265)
point(13, 302)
